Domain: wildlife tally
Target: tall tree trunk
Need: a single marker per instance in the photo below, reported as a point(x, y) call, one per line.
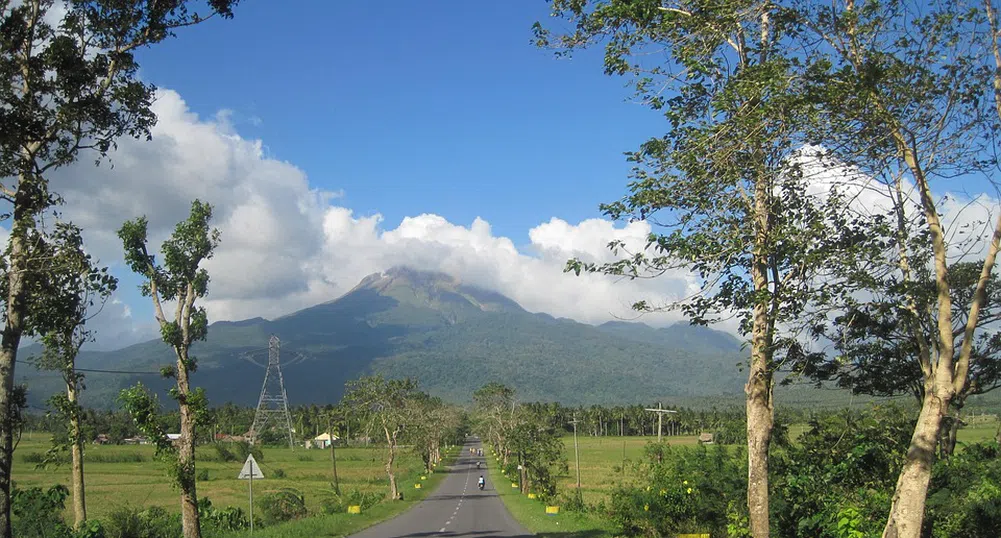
point(394, 493)
point(186, 456)
point(79, 502)
point(16, 306)
point(907, 510)
point(759, 405)
point(523, 476)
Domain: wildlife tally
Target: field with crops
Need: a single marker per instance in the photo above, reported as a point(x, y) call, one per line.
point(128, 474)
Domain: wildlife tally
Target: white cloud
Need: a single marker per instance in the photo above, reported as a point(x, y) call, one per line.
point(286, 246)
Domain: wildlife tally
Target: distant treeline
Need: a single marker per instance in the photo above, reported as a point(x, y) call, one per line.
point(308, 421)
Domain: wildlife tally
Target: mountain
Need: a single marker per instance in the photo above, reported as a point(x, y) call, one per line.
point(451, 336)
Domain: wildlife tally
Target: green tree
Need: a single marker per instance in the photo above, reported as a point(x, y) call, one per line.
point(389, 406)
point(71, 86)
point(74, 285)
point(725, 186)
point(908, 99)
point(538, 449)
point(877, 352)
point(178, 278)
point(495, 407)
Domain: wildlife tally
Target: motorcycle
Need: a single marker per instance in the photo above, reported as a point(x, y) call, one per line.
point(481, 486)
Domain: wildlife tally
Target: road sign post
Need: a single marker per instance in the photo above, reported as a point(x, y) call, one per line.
point(249, 472)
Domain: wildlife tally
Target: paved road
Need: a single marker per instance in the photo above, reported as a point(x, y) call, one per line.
point(457, 508)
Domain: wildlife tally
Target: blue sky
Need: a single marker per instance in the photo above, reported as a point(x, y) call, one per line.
point(412, 107)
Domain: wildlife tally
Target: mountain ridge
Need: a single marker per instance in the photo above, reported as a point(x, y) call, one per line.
point(452, 336)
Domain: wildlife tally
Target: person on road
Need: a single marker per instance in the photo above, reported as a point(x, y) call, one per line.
point(481, 482)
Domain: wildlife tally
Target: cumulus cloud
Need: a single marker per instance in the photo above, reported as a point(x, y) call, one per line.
point(287, 245)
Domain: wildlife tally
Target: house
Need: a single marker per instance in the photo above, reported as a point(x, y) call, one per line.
point(137, 440)
point(102, 439)
point(174, 438)
point(706, 438)
point(321, 441)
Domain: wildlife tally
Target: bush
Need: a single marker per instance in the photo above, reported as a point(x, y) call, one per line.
point(227, 519)
point(572, 501)
point(38, 514)
point(202, 475)
point(91, 528)
point(242, 450)
point(965, 499)
point(841, 476)
point(339, 503)
point(223, 453)
point(279, 473)
point(687, 490)
point(152, 522)
point(285, 504)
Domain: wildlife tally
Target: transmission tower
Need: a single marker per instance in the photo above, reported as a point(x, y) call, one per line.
point(272, 408)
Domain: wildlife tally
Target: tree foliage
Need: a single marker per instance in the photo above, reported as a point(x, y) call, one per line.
point(390, 405)
point(71, 85)
point(181, 279)
point(724, 188)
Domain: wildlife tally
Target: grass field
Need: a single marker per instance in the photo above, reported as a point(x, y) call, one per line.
point(144, 483)
point(601, 462)
point(601, 457)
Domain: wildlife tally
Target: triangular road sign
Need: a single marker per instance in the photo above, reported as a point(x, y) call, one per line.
point(250, 469)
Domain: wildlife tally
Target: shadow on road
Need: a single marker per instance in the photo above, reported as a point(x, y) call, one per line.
point(486, 534)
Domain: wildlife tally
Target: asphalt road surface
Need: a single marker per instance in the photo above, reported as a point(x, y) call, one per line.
point(457, 508)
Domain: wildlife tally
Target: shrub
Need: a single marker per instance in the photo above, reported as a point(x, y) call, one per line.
point(965, 499)
point(91, 528)
point(38, 514)
point(227, 519)
point(242, 450)
point(339, 503)
point(686, 490)
point(153, 522)
point(841, 476)
point(285, 504)
point(223, 453)
point(279, 473)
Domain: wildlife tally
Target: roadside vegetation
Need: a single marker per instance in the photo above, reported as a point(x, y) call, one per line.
point(782, 119)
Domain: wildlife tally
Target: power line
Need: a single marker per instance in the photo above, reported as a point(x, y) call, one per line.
point(96, 371)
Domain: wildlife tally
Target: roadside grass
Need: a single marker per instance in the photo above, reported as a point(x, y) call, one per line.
point(601, 462)
point(532, 515)
point(112, 482)
point(601, 469)
point(336, 525)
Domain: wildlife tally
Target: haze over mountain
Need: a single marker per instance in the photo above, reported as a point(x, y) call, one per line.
point(450, 336)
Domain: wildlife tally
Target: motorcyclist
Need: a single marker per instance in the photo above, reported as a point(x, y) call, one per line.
point(481, 482)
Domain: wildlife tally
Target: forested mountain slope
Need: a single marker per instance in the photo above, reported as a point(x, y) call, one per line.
point(452, 337)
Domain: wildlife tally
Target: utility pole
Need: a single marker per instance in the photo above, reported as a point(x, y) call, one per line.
point(660, 417)
point(333, 454)
point(576, 451)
